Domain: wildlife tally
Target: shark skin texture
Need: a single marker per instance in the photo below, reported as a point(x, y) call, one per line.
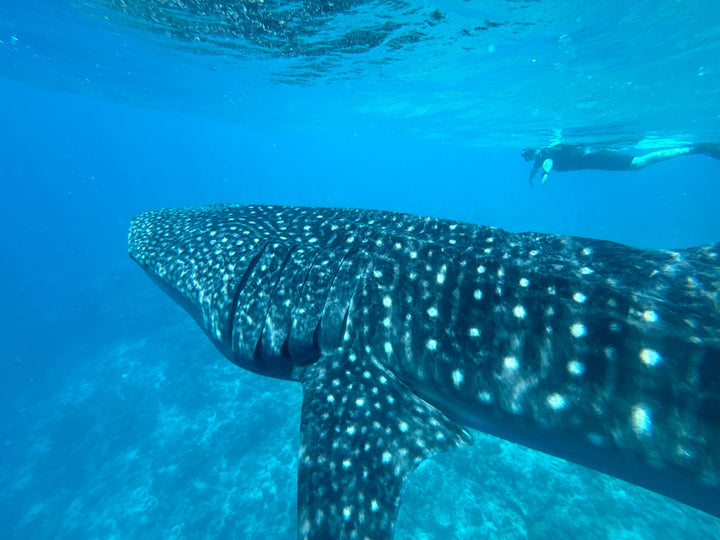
point(404, 330)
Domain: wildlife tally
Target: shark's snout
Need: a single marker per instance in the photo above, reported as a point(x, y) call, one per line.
point(177, 249)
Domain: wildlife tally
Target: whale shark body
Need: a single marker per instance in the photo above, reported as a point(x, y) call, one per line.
point(404, 330)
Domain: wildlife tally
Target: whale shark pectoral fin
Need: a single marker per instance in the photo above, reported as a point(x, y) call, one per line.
point(362, 432)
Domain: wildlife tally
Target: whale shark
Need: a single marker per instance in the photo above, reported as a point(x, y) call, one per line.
point(406, 331)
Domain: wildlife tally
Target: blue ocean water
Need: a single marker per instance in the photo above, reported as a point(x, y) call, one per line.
point(120, 419)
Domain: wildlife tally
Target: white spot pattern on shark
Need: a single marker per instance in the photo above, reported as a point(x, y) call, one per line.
point(401, 328)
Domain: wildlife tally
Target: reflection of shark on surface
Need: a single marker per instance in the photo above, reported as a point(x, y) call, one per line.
point(401, 328)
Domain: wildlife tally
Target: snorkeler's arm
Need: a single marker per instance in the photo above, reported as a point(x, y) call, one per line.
point(534, 170)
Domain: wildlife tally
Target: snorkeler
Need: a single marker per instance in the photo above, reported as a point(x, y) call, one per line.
point(568, 157)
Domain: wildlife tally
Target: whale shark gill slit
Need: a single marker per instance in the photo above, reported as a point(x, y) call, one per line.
point(336, 308)
point(241, 285)
point(268, 357)
point(324, 297)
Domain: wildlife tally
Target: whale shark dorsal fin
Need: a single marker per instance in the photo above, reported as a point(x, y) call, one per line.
point(362, 432)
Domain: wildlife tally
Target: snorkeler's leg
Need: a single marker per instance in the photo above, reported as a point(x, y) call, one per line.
point(708, 149)
point(640, 162)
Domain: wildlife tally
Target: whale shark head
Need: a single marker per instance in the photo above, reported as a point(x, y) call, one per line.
point(270, 287)
point(401, 329)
